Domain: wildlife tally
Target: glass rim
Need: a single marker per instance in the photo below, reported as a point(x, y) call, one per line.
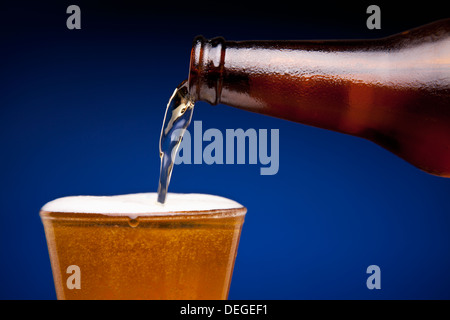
point(154, 216)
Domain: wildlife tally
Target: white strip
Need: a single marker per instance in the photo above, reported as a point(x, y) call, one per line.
point(140, 204)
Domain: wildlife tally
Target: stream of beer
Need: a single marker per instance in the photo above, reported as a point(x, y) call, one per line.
point(177, 118)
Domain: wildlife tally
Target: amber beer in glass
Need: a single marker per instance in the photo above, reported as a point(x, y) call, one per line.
point(98, 250)
point(393, 91)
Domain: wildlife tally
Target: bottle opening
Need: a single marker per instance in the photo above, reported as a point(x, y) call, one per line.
point(206, 68)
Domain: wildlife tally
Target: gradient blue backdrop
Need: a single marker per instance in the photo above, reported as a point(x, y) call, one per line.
point(81, 110)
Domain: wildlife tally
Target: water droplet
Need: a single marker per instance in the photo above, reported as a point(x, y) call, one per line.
point(133, 223)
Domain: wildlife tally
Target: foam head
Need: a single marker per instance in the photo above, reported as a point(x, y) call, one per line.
point(141, 204)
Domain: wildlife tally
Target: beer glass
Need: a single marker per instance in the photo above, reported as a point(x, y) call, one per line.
point(130, 247)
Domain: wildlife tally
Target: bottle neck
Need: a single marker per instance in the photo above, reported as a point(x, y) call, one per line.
point(206, 69)
point(235, 72)
point(240, 73)
point(307, 81)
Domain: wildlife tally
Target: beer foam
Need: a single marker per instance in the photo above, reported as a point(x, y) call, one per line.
point(141, 204)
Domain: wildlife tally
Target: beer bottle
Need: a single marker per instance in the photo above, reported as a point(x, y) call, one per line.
point(393, 91)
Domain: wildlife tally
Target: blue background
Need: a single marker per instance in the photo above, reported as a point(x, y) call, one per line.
point(81, 111)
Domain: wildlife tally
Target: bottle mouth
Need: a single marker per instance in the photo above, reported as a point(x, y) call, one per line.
point(206, 68)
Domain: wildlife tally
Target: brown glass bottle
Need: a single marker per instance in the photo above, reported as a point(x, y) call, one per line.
point(393, 91)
